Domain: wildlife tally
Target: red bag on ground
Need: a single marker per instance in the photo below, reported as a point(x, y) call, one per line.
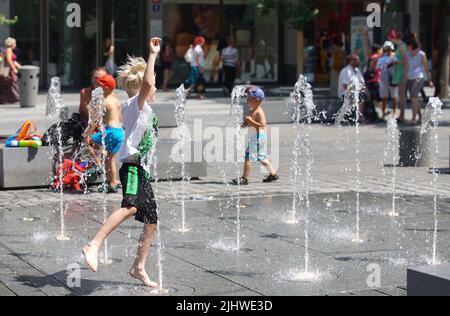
point(70, 178)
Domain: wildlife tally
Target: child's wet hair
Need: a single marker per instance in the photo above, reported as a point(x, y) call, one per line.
point(130, 75)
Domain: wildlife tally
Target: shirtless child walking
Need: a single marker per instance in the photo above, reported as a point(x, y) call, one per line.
point(256, 122)
point(140, 124)
point(114, 132)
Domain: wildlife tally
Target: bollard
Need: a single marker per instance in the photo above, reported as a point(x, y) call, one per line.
point(414, 149)
point(28, 86)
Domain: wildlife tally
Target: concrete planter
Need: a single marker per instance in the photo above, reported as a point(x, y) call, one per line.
point(28, 167)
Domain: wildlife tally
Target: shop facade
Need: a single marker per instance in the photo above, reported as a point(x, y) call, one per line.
point(46, 40)
point(346, 21)
point(267, 46)
point(71, 52)
point(257, 38)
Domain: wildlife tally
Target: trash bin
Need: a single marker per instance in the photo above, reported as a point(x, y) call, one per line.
point(414, 148)
point(29, 85)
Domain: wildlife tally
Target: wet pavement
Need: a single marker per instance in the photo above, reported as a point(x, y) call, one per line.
point(197, 262)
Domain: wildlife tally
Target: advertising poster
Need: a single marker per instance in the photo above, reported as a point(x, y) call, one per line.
point(361, 39)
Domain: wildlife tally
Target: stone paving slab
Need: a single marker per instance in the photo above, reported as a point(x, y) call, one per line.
point(194, 267)
point(5, 291)
point(393, 291)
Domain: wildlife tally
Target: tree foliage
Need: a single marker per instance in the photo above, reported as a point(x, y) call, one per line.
point(297, 13)
point(8, 22)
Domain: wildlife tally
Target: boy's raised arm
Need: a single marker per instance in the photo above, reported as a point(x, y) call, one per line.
point(149, 79)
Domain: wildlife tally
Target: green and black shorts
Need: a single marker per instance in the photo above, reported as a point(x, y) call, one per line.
point(138, 193)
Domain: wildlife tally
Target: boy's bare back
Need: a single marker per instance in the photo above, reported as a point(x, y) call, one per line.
point(113, 111)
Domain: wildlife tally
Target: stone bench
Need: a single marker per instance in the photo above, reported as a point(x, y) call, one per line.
point(25, 167)
point(29, 168)
point(429, 280)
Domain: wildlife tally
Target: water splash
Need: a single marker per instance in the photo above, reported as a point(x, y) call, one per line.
point(231, 167)
point(39, 237)
point(236, 122)
point(226, 245)
point(391, 156)
point(335, 234)
point(433, 113)
point(150, 163)
point(304, 112)
point(180, 116)
point(351, 105)
point(296, 275)
point(54, 102)
point(53, 118)
point(97, 112)
point(82, 154)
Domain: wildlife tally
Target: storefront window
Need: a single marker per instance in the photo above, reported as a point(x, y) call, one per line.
point(27, 30)
point(125, 26)
point(256, 37)
point(71, 51)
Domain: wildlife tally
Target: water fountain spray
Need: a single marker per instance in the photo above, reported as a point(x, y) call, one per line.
point(159, 244)
point(53, 117)
point(391, 153)
point(303, 115)
point(236, 120)
point(430, 123)
point(149, 162)
point(96, 118)
point(351, 105)
point(180, 116)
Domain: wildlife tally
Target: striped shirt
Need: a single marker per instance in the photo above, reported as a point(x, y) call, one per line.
point(230, 56)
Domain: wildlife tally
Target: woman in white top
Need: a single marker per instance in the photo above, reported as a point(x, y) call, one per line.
point(386, 63)
point(417, 69)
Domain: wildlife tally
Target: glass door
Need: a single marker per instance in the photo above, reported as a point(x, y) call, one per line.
point(71, 51)
point(123, 26)
point(27, 31)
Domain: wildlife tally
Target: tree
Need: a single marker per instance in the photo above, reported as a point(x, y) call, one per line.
point(297, 13)
point(8, 22)
point(443, 57)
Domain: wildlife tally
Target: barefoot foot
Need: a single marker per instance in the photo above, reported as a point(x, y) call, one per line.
point(90, 256)
point(142, 276)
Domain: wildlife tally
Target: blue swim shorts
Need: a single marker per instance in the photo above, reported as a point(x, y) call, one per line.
point(113, 141)
point(257, 148)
